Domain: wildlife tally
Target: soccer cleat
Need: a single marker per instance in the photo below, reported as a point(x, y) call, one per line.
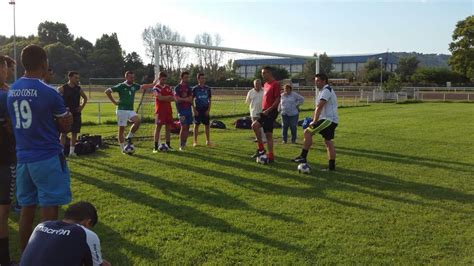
point(129, 140)
point(195, 144)
point(210, 144)
point(155, 151)
point(272, 160)
point(181, 148)
point(299, 159)
point(72, 154)
point(258, 153)
point(170, 148)
point(327, 170)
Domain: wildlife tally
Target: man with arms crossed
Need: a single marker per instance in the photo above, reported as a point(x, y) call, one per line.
point(42, 173)
point(125, 111)
point(72, 94)
point(201, 108)
point(325, 120)
point(184, 99)
point(163, 112)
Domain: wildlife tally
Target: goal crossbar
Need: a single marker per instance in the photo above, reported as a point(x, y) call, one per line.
point(158, 42)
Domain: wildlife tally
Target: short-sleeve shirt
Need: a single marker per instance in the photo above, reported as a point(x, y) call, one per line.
point(271, 91)
point(329, 111)
point(202, 96)
point(32, 107)
point(163, 107)
point(59, 243)
point(7, 140)
point(126, 95)
point(183, 91)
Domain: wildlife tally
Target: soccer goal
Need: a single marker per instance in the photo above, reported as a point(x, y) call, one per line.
point(229, 72)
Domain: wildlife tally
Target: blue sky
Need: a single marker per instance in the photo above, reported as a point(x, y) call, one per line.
point(296, 27)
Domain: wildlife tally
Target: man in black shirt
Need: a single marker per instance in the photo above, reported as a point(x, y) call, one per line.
point(7, 162)
point(72, 94)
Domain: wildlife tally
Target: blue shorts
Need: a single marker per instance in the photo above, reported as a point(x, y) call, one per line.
point(186, 118)
point(44, 183)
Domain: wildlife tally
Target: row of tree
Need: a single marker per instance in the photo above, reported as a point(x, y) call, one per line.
point(107, 59)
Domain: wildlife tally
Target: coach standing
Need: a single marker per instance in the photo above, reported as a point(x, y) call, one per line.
point(72, 94)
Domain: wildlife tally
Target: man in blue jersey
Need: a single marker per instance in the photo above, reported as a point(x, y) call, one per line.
point(66, 242)
point(201, 107)
point(7, 163)
point(37, 112)
point(184, 100)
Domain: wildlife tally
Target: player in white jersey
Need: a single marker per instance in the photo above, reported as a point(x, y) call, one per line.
point(325, 121)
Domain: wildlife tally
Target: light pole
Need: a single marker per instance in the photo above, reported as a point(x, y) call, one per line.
point(12, 2)
point(381, 72)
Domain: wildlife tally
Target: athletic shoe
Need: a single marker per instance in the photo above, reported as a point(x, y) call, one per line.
point(155, 151)
point(283, 142)
point(210, 144)
point(129, 140)
point(181, 148)
point(299, 159)
point(170, 149)
point(258, 153)
point(72, 154)
point(327, 170)
point(195, 144)
point(271, 160)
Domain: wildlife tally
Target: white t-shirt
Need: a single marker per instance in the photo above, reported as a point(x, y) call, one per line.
point(329, 111)
point(254, 99)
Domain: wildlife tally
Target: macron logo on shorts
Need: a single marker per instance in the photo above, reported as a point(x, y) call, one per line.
point(50, 231)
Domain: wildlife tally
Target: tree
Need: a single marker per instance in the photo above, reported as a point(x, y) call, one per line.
point(436, 76)
point(62, 58)
point(407, 67)
point(209, 59)
point(106, 59)
point(309, 68)
point(50, 32)
point(133, 62)
point(278, 73)
point(325, 64)
point(462, 48)
point(372, 70)
point(172, 58)
point(83, 47)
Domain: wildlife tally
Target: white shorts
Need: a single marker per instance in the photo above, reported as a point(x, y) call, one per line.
point(123, 116)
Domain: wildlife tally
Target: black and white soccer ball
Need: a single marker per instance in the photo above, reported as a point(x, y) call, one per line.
point(262, 159)
point(163, 147)
point(304, 168)
point(129, 149)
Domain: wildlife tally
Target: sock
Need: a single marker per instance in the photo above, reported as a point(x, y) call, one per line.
point(71, 150)
point(130, 135)
point(156, 145)
point(260, 146)
point(122, 145)
point(332, 164)
point(4, 251)
point(304, 153)
point(270, 156)
point(168, 143)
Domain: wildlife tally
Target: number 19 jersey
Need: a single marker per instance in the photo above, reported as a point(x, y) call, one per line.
point(32, 107)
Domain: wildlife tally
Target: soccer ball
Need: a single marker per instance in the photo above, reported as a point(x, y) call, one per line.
point(129, 149)
point(304, 168)
point(263, 159)
point(163, 147)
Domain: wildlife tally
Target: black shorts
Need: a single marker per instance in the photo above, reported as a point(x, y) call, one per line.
point(201, 117)
point(325, 128)
point(268, 121)
point(76, 123)
point(7, 183)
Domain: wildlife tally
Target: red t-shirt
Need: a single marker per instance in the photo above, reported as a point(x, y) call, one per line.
point(271, 91)
point(162, 107)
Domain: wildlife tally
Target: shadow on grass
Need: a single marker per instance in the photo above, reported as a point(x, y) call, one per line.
point(209, 196)
point(186, 214)
point(406, 159)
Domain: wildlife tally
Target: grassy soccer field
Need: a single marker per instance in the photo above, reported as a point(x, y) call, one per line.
point(403, 193)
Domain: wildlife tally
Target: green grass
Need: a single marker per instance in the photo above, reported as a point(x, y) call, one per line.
point(403, 193)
